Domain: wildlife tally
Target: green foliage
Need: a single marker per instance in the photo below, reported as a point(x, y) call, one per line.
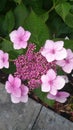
point(43, 97)
point(9, 22)
point(20, 13)
point(38, 29)
point(49, 19)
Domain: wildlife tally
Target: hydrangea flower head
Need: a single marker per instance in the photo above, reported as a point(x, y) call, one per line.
point(59, 97)
point(31, 66)
point(19, 38)
point(51, 82)
point(67, 63)
point(12, 86)
point(4, 57)
point(54, 50)
point(24, 95)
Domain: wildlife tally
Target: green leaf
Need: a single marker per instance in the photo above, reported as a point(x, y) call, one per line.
point(43, 97)
point(37, 27)
point(21, 13)
point(63, 9)
point(69, 19)
point(2, 4)
point(6, 45)
point(9, 22)
point(68, 44)
point(44, 16)
point(18, 1)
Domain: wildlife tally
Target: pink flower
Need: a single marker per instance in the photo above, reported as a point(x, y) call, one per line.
point(12, 86)
point(23, 97)
point(54, 50)
point(4, 60)
point(59, 97)
point(51, 82)
point(67, 63)
point(19, 38)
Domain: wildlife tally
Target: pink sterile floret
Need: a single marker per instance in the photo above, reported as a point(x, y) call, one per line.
point(54, 50)
point(12, 86)
point(51, 82)
point(19, 38)
point(23, 97)
point(4, 57)
point(60, 96)
point(67, 63)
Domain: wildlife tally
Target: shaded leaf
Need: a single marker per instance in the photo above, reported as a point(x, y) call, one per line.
point(39, 30)
point(21, 13)
point(9, 22)
point(43, 97)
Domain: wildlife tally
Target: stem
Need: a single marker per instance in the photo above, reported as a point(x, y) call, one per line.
point(11, 60)
point(51, 9)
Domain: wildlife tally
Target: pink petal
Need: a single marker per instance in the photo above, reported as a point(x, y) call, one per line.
point(64, 94)
point(45, 87)
point(10, 78)
point(20, 31)
point(1, 53)
point(50, 96)
point(16, 46)
point(13, 36)
point(8, 87)
point(53, 91)
point(6, 56)
point(6, 65)
point(27, 35)
point(49, 44)
point(16, 92)
point(15, 99)
point(59, 82)
point(17, 82)
point(68, 68)
point(69, 53)
point(24, 45)
point(44, 51)
point(24, 99)
point(61, 100)
point(1, 64)
point(51, 74)
point(60, 55)
point(50, 57)
point(59, 45)
point(61, 63)
point(44, 78)
point(24, 90)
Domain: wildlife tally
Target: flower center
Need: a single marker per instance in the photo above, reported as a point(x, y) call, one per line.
point(20, 39)
point(53, 51)
point(51, 82)
point(67, 61)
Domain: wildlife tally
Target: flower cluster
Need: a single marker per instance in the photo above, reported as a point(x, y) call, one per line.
point(37, 69)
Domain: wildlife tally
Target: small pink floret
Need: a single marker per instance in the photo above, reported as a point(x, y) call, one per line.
point(59, 97)
point(54, 50)
point(4, 57)
point(24, 95)
point(19, 38)
point(12, 86)
point(67, 63)
point(51, 82)
point(18, 91)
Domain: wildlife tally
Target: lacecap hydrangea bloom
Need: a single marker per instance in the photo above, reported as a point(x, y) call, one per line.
point(19, 38)
point(38, 69)
point(4, 60)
